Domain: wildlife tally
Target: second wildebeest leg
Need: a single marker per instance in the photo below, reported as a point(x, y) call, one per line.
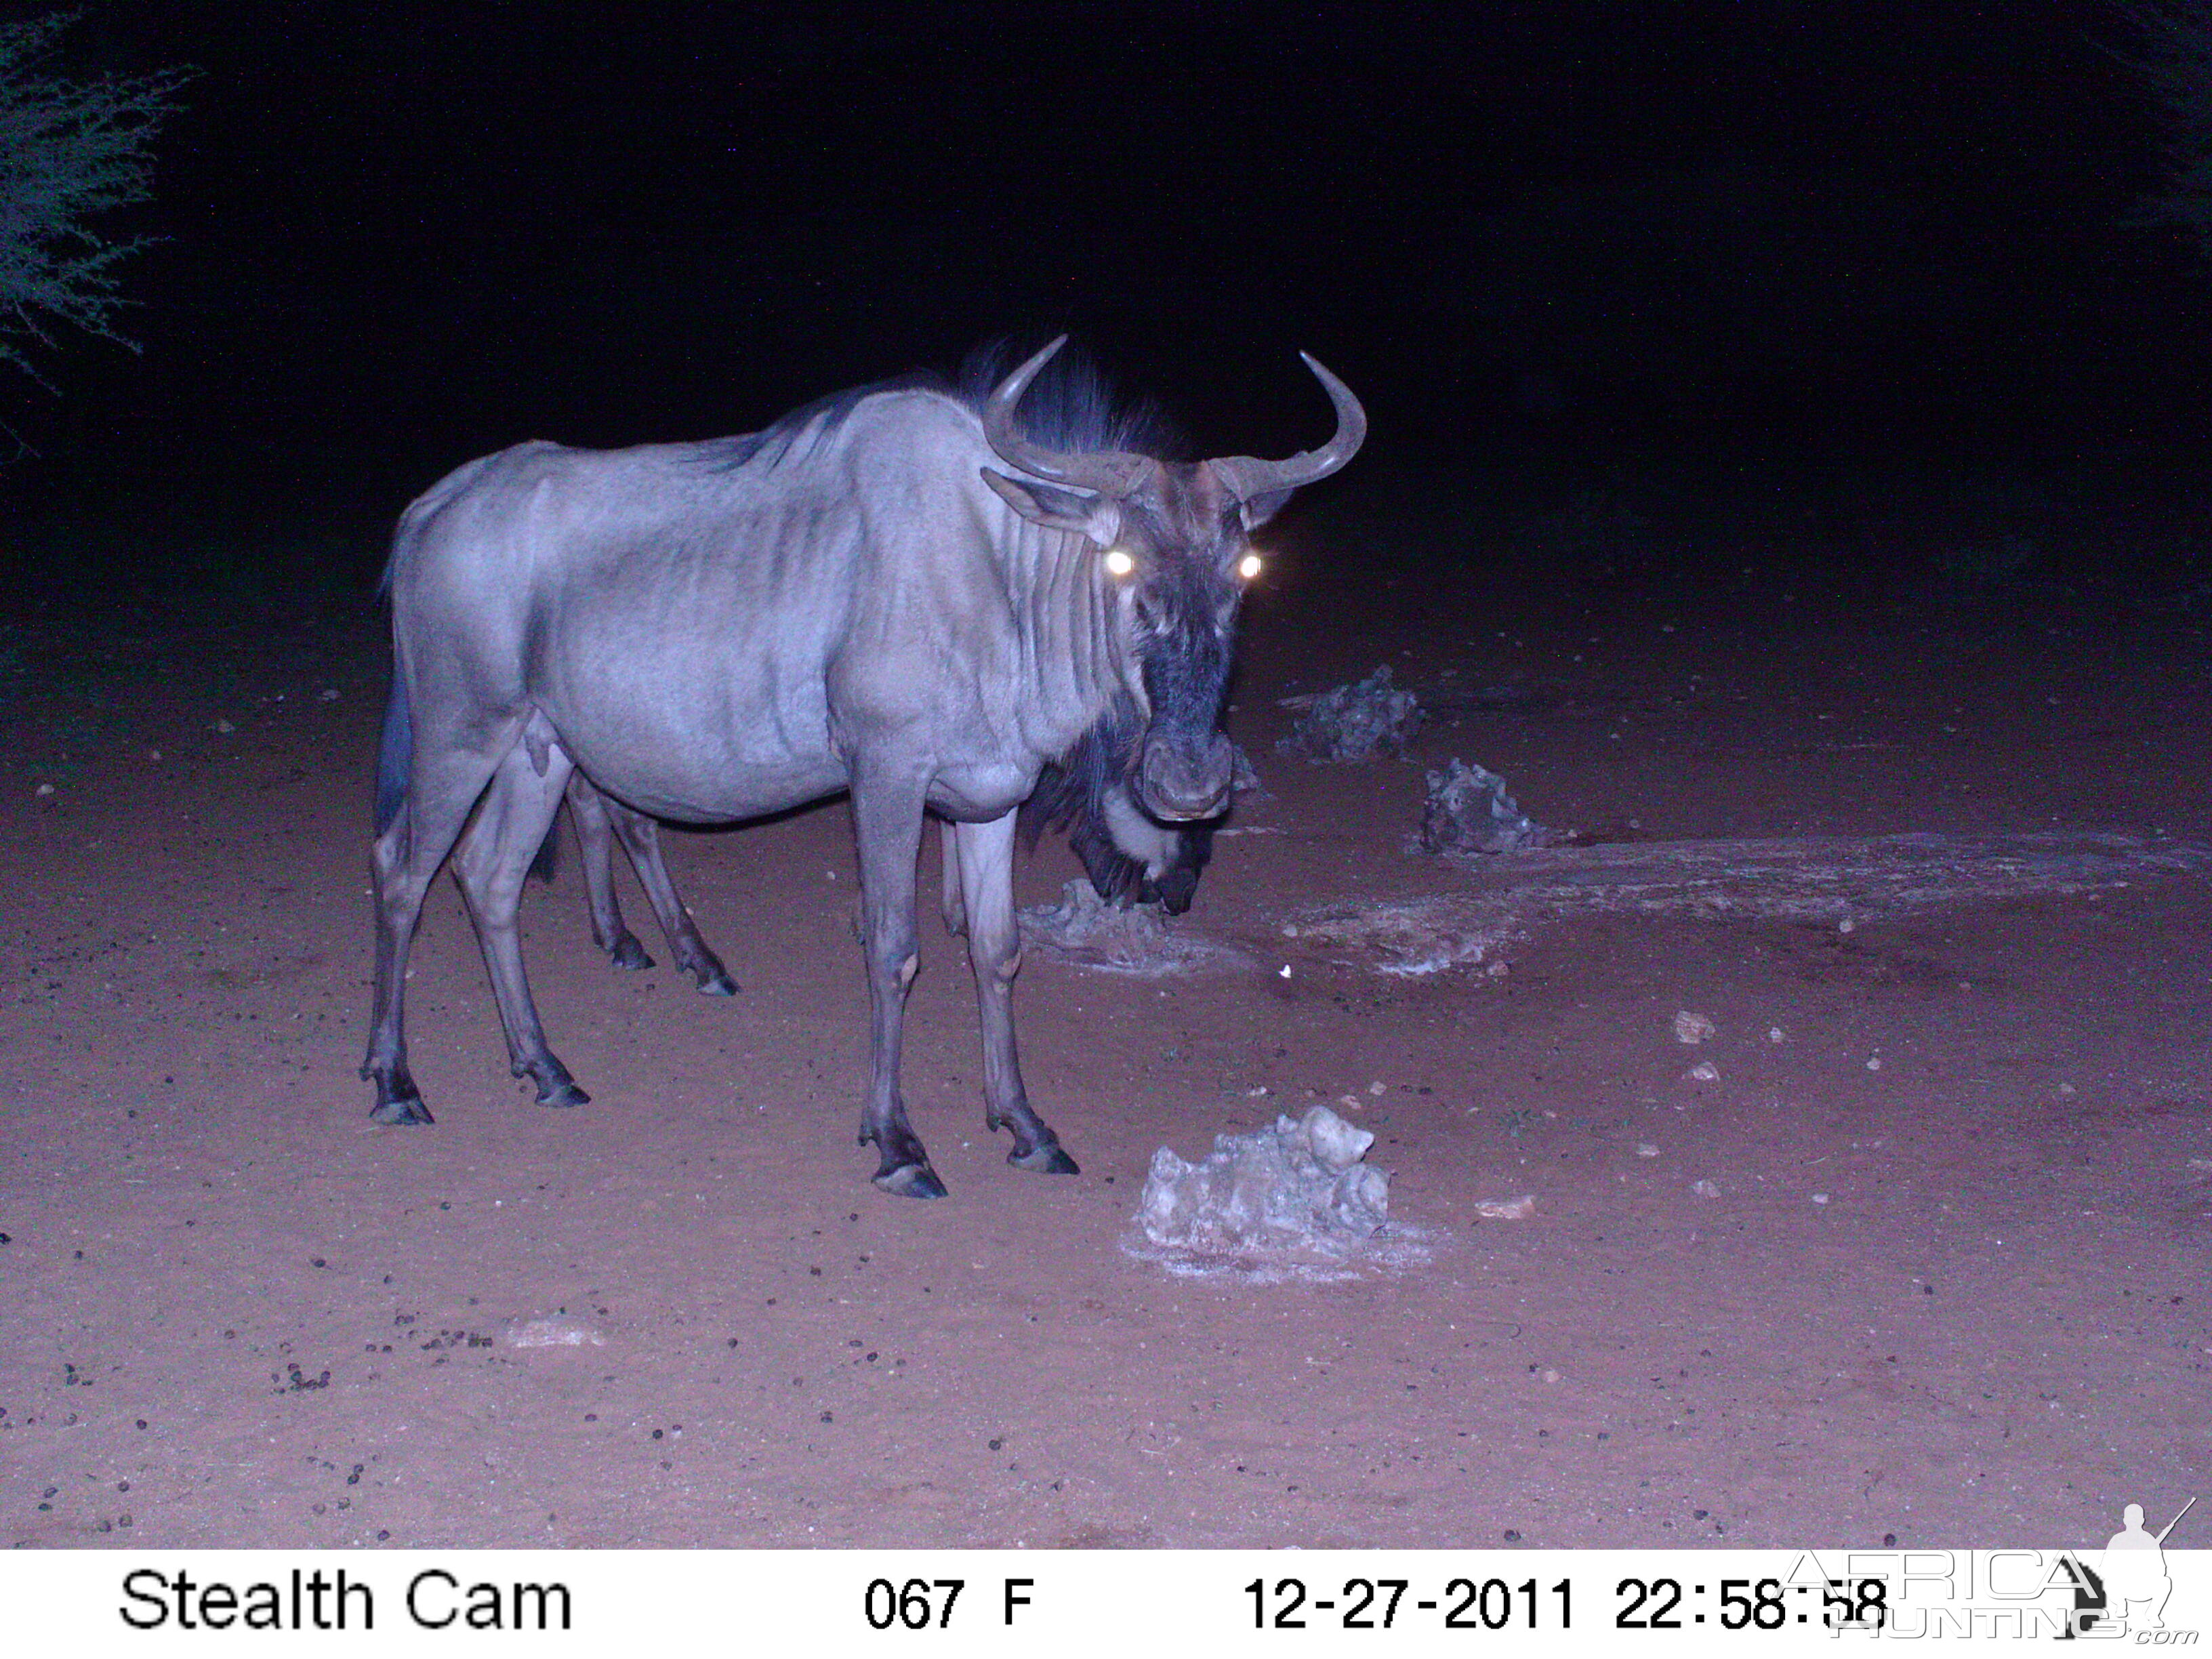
point(587, 810)
point(952, 906)
point(985, 854)
point(490, 862)
point(887, 811)
point(640, 839)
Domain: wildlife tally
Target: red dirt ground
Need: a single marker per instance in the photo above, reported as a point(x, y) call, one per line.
point(236, 1313)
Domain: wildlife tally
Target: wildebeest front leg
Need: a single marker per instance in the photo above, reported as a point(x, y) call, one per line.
point(587, 810)
point(995, 950)
point(489, 863)
point(887, 809)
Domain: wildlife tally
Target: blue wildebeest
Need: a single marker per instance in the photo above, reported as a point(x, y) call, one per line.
point(857, 598)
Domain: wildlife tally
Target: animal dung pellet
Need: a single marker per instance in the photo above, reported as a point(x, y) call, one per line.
point(1694, 1028)
point(1354, 722)
point(1507, 1209)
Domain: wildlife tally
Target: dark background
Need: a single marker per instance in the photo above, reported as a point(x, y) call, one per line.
point(1871, 275)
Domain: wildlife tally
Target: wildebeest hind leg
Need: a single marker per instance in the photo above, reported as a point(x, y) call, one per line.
point(446, 779)
point(995, 950)
point(640, 839)
point(587, 810)
point(887, 808)
point(490, 862)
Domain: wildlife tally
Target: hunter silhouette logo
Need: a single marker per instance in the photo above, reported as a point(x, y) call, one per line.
point(2135, 1581)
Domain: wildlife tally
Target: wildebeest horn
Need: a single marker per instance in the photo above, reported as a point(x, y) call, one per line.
point(1110, 472)
point(1245, 478)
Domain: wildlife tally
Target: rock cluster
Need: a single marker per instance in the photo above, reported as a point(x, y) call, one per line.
point(1355, 722)
point(1300, 1182)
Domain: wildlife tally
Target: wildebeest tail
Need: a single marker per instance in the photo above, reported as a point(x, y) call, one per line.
point(395, 754)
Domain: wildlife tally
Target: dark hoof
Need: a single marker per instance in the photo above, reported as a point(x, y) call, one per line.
point(562, 1093)
point(1047, 1158)
point(630, 955)
point(911, 1180)
point(717, 984)
point(407, 1110)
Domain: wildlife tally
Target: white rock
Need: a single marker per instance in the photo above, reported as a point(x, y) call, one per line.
point(1296, 1183)
point(1336, 1144)
point(1694, 1028)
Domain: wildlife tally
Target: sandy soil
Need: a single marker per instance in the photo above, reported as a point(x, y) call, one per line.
point(1950, 1286)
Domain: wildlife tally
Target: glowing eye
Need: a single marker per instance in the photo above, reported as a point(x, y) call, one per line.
point(1120, 563)
point(1249, 566)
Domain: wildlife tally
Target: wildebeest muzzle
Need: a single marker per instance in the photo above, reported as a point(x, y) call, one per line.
point(1186, 775)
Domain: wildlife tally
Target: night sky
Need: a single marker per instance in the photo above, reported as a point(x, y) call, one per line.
point(1534, 237)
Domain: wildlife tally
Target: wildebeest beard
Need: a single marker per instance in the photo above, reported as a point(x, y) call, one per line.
point(1086, 789)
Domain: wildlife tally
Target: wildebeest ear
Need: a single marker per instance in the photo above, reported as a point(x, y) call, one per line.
point(1095, 516)
point(1264, 507)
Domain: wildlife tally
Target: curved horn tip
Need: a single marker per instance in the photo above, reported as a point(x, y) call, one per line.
point(1021, 377)
point(1321, 369)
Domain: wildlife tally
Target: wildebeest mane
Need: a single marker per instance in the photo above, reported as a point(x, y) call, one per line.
point(823, 416)
point(1071, 405)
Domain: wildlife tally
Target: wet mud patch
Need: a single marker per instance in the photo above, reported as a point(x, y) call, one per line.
point(1837, 880)
point(1084, 931)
